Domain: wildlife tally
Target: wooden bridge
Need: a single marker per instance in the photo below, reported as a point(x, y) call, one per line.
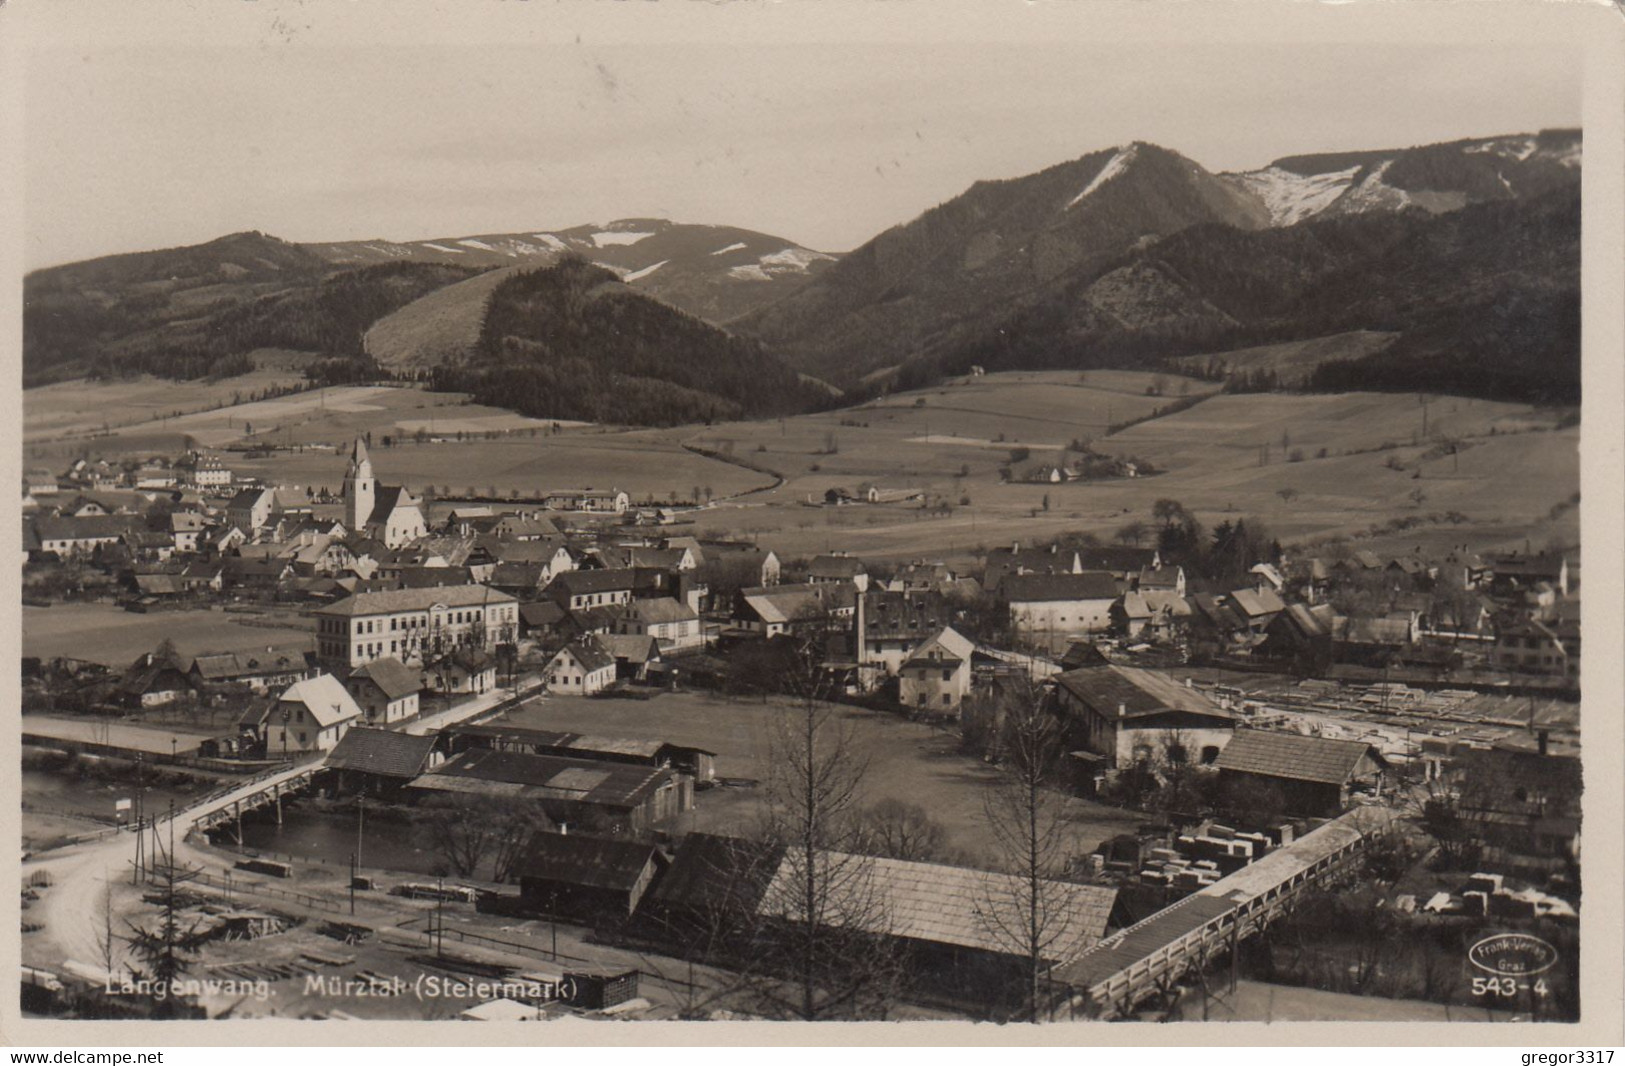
point(1116, 975)
point(270, 794)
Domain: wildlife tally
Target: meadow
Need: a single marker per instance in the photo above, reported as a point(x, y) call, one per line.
point(1311, 465)
point(112, 636)
point(905, 760)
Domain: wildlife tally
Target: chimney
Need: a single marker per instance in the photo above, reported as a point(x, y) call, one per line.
point(863, 636)
point(1543, 738)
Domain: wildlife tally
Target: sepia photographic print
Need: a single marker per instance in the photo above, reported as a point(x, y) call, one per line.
point(749, 513)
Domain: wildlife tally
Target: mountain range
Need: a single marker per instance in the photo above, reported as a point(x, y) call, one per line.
point(1130, 256)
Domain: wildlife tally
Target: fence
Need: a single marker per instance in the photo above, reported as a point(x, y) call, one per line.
point(256, 888)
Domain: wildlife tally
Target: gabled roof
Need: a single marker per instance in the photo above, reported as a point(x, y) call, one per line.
point(382, 751)
point(659, 610)
point(1166, 577)
point(325, 699)
point(589, 653)
point(1049, 588)
point(1255, 603)
point(835, 567)
point(952, 647)
point(587, 582)
point(232, 665)
point(541, 613)
point(588, 861)
point(781, 604)
point(1295, 758)
point(1136, 692)
point(393, 677)
point(633, 647)
point(392, 600)
point(941, 904)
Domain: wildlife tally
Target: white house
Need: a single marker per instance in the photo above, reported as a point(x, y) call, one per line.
point(250, 510)
point(1042, 606)
point(581, 668)
point(1127, 716)
point(674, 625)
point(415, 623)
point(386, 689)
point(937, 673)
point(310, 716)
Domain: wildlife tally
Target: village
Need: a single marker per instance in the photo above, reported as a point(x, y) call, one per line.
point(563, 734)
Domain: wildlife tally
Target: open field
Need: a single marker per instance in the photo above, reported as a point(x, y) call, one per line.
point(1213, 457)
point(83, 407)
point(1229, 455)
point(906, 761)
point(106, 634)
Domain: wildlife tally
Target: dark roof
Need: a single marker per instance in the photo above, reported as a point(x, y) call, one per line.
point(1137, 692)
point(511, 773)
point(1082, 653)
point(1117, 560)
point(633, 647)
point(585, 582)
point(517, 575)
point(427, 577)
point(716, 873)
point(835, 566)
point(588, 861)
point(590, 654)
point(381, 751)
point(1287, 755)
point(541, 613)
point(1029, 588)
point(393, 677)
point(232, 665)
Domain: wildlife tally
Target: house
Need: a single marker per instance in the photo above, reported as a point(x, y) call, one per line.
point(1126, 716)
point(259, 672)
point(1046, 606)
point(1536, 646)
point(152, 682)
point(1370, 641)
point(380, 762)
point(387, 690)
point(187, 528)
point(1266, 576)
point(894, 623)
point(541, 620)
point(1161, 579)
point(570, 791)
point(600, 501)
point(581, 668)
point(251, 509)
point(1256, 608)
point(1150, 615)
point(310, 715)
point(936, 675)
point(203, 576)
point(39, 482)
point(66, 537)
point(577, 589)
point(876, 494)
point(387, 512)
point(413, 625)
point(1301, 635)
point(835, 569)
point(674, 625)
point(1121, 562)
point(761, 567)
point(771, 612)
point(586, 878)
point(206, 473)
point(1525, 804)
point(922, 577)
point(1006, 562)
point(1315, 776)
point(1515, 573)
point(467, 670)
point(633, 654)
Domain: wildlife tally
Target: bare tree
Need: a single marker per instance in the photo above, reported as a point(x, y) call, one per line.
point(1028, 821)
point(831, 927)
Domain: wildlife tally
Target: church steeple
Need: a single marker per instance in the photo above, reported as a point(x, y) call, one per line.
point(360, 488)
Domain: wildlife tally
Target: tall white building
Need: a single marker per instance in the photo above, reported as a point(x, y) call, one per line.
point(413, 625)
point(387, 512)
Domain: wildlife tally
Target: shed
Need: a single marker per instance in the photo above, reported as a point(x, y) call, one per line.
point(587, 877)
point(1315, 775)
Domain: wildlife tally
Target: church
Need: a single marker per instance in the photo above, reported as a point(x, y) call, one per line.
point(385, 512)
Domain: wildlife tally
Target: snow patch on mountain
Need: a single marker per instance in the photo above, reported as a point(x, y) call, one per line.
point(1519, 148)
point(1114, 166)
point(749, 272)
point(470, 242)
point(605, 238)
point(735, 247)
point(442, 248)
point(1291, 197)
point(1372, 193)
point(551, 241)
point(798, 259)
point(645, 272)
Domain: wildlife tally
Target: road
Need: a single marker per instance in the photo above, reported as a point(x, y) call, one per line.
point(471, 708)
point(71, 908)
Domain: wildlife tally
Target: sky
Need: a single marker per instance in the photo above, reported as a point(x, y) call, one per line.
point(821, 132)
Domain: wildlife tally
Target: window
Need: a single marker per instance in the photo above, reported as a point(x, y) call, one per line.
point(947, 699)
point(947, 675)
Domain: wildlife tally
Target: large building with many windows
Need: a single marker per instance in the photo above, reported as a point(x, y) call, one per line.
point(414, 625)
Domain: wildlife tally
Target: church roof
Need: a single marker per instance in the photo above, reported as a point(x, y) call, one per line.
point(358, 454)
